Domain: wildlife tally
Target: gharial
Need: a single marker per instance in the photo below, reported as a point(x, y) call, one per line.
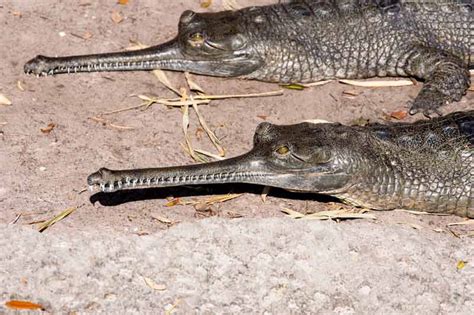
point(311, 40)
point(424, 166)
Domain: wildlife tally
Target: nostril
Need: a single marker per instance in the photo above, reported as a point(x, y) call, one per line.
point(98, 177)
point(187, 16)
point(37, 65)
point(264, 132)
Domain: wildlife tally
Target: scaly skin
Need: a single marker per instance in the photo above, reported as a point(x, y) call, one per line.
point(425, 166)
point(304, 41)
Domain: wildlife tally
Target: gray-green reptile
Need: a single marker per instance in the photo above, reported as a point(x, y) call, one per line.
point(303, 41)
point(425, 166)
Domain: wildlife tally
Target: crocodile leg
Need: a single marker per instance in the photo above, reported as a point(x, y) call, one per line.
point(446, 78)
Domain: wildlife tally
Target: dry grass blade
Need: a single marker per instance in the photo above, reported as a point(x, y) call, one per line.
point(319, 83)
point(178, 102)
point(328, 215)
point(213, 156)
point(109, 124)
point(265, 192)
point(250, 95)
point(231, 5)
point(56, 219)
point(422, 212)
point(208, 201)
point(467, 222)
point(215, 141)
point(185, 125)
point(161, 75)
point(380, 83)
point(199, 157)
point(219, 199)
point(193, 86)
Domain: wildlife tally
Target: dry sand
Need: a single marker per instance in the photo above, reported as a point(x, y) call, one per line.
point(95, 260)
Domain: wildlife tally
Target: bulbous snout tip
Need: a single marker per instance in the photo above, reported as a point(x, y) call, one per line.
point(40, 65)
point(98, 178)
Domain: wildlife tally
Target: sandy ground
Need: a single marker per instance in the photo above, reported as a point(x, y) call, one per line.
point(251, 258)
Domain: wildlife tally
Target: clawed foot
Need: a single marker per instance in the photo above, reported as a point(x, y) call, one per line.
point(428, 102)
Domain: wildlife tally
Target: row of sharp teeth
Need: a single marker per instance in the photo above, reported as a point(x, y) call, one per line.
point(130, 183)
point(95, 67)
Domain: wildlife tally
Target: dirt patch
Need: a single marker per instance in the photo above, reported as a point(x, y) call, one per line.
point(44, 172)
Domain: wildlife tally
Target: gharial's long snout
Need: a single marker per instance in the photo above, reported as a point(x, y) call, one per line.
point(164, 56)
point(249, 168)
point(243, 169)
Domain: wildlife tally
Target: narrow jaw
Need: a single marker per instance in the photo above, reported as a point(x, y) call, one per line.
point(167, 56)
point(247, 168)
point(242, 169)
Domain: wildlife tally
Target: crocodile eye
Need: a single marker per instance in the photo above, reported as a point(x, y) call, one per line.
point(196, 38)
point(283, 150)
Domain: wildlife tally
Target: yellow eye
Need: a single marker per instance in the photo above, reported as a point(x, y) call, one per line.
point(283, 150)
point(196, 38)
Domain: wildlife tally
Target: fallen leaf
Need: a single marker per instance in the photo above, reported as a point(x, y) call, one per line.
point(19, 85)
point(48, 128)
point(162, 220)
point(122, 2)
point(4, 100)
point(86, 35)
point(399, 115)
point(23, 305)
point(152, 284)
point(293, 86)
point(361, 121)
point(17, 14)
point(461, 264)
point(173, 202)
point(205, 3)
point(117, 17)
